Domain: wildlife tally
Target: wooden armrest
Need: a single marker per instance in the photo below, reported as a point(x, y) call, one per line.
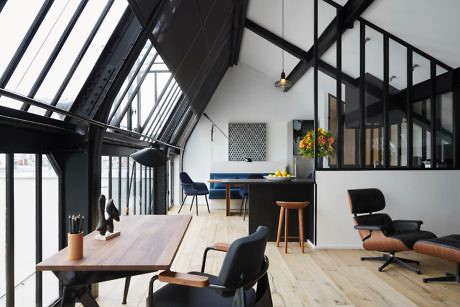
point(221, 246)
point(184, 279)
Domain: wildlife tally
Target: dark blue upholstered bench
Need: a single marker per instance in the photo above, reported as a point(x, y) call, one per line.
point(217, 190)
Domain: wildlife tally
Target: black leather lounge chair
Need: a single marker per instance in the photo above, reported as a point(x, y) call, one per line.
point(380, 233)
point(245, 265)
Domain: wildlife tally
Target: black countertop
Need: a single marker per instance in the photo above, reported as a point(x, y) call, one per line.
point(263, 181)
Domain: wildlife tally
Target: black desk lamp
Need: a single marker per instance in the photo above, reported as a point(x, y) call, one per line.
point(150, 157)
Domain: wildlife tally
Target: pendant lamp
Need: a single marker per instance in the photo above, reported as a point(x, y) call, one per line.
point(282, 82)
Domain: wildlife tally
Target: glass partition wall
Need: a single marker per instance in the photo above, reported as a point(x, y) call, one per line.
point(128, 183)
point(388, 104)
point(30, 184)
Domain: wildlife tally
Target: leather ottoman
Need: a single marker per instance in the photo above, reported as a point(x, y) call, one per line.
point(447, 248)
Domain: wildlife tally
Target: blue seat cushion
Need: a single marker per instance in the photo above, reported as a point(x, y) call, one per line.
point(220, 194)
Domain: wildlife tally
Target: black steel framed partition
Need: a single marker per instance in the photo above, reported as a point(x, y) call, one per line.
point(404, 120)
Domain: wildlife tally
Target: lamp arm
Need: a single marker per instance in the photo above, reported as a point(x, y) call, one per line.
point(129, 189)
point(218, 128)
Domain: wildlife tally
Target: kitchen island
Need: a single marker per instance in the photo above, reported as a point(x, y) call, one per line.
point(264, 193)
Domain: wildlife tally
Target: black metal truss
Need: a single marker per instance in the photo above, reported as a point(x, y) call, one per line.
point(350, 12)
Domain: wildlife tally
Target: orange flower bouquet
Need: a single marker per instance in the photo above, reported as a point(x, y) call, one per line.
point(325, 144)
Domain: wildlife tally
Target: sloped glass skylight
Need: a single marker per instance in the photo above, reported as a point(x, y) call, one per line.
point(147, 98)
point(63, 48)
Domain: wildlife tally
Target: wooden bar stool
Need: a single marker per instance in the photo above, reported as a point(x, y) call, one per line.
point(284, 212)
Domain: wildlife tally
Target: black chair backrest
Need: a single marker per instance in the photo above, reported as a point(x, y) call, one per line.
point(244, 259)
point(185, 178)
point(366, 200)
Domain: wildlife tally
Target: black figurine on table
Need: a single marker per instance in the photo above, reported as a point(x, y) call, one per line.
point(104, 224)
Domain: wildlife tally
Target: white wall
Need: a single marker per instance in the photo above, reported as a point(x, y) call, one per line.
point(431, 196)
point(245, 95)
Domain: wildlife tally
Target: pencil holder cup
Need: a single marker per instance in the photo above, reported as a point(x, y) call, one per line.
point(75, 246)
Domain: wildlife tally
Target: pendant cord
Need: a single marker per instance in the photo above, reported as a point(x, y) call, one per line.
point(282, 34)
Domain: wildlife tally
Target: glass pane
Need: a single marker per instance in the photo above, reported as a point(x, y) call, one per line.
point(374, 99)
point(350, 96)
point(397, 104)
point(24, 229)
point(115, 181)
point(41, 46)
point(69, 52)
point(2, 229)
point(142, 64)
point(445, 131)
point(21, 13)
point(421, 116)
point(105, 176)
point(92, 54)
point(124, 184)
point(50, 213)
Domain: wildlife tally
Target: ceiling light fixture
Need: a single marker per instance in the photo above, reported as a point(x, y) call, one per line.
point(282, 82)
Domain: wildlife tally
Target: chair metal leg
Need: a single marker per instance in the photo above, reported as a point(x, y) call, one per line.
point(196, 204)
point(389, 261)
point(391, 258)
point(183, 202)
point(125, 292)
point(382, 258)
point(242, 205)
point(448, 278)
point(191, 205)
point(245, 208)
point(207, 203)
point(150, 294)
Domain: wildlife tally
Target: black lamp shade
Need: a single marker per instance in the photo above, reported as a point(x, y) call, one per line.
point(150, 157)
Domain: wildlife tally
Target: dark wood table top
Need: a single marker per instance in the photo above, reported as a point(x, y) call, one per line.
point(146, 243)
point(259, 181)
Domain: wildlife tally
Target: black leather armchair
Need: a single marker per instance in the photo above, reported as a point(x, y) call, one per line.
point(244, 266)
point(380, 233)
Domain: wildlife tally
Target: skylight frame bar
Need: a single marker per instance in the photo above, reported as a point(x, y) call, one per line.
point(54, 54)
point(80, 55)
point(134, 93)
point(160, 108)
point(167, 112)
point(130, 82)
point(169, 89)
point(174, 121)
point(182, 125)
point(167, 108)
point(158, 99)
point(19, 54)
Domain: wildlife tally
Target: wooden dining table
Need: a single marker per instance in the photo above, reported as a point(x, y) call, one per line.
point(147, 243)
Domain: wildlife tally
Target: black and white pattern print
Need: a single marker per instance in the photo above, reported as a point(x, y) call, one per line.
point(247, 140)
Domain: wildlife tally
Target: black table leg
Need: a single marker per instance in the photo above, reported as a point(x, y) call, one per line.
point(73, 294)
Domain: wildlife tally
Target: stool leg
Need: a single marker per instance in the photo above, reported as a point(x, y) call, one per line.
point(280, 225)
point(302, 240)
point(286, 226)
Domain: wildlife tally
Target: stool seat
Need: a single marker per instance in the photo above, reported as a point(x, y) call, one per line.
point(285, 206)
point(293, 204)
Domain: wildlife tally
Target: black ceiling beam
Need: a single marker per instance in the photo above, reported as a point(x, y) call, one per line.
point(295, 51)
point(2, 4)
point(351, 12)
point(239, 20)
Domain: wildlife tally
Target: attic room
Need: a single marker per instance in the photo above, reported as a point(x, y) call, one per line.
point(229, 153)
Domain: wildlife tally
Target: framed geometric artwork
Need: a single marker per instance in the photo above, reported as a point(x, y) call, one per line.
point(247, 140)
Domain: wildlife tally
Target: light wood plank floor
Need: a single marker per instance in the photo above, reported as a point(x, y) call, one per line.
point(315, 278)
